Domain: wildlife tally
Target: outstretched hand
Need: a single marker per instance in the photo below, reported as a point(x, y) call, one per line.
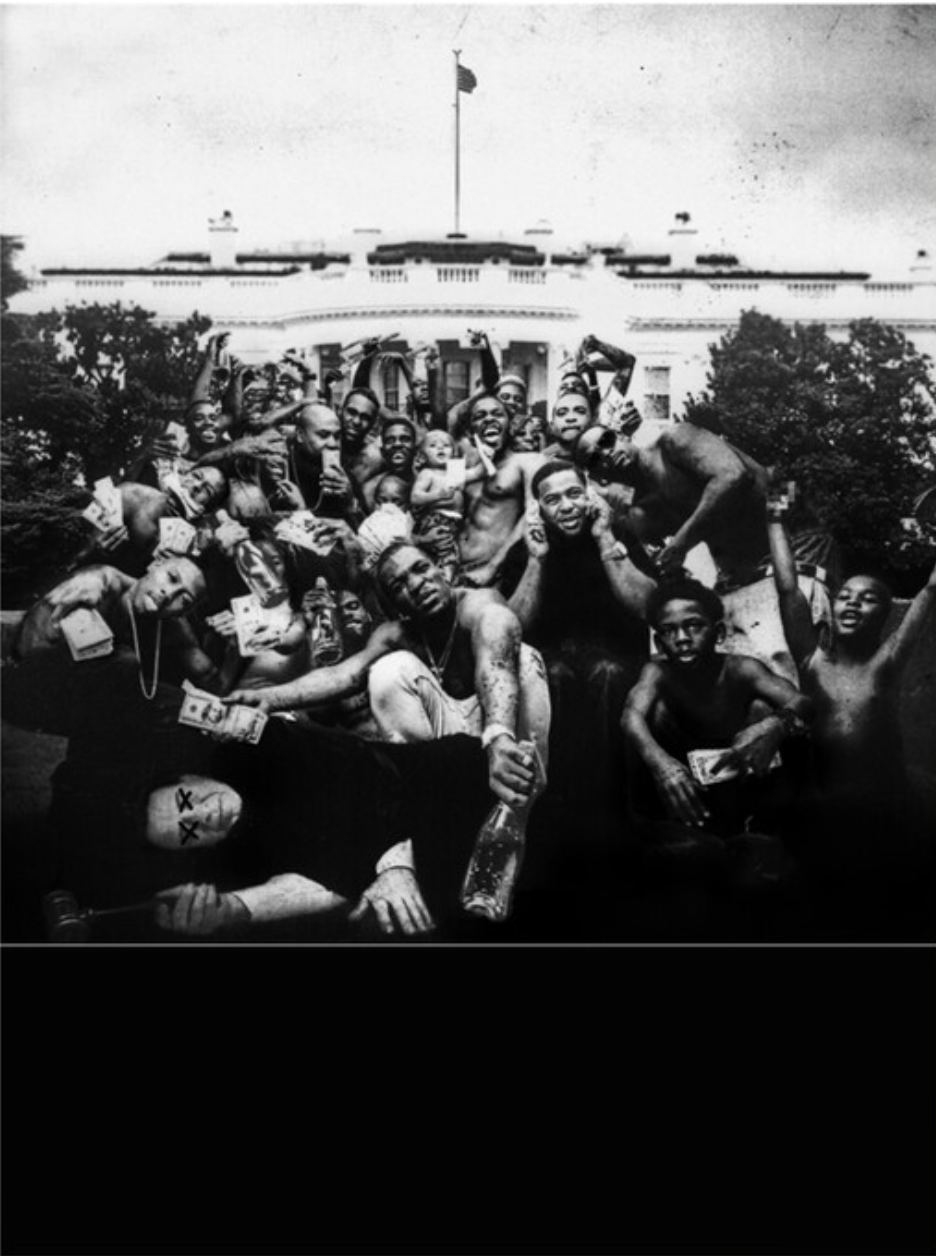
point(397, 903)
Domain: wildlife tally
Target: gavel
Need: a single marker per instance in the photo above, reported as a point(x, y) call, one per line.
point(65, 921)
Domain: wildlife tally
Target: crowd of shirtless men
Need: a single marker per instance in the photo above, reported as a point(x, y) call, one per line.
point(530, 601)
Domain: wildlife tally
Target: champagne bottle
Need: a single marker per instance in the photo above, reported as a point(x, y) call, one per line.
point(494, 867)
point(324, 630)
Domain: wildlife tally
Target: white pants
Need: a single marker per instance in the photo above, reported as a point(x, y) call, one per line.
point(409, 704)
point(754, 626)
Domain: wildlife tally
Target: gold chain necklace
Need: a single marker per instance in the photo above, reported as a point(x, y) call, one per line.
point(136, 648)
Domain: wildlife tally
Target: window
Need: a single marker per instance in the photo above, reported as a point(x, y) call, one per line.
point(657, 393)
point(390, 382)
point(455, 375)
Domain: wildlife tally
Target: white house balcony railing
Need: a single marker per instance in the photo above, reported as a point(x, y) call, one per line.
point(526, 276)
point(812, 289)
point(458, 274)
point(390, 274)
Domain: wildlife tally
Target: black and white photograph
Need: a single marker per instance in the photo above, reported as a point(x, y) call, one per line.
point(468, 475)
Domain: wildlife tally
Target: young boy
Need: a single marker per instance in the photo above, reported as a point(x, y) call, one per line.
point(861, 806)
point(694, 698)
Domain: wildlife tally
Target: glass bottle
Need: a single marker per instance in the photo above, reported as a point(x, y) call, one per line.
point(260, 567)
point(494, 867)
point(324, 629)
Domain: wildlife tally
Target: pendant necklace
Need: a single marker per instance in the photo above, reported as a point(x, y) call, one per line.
point(438, 668)
point(136, 648)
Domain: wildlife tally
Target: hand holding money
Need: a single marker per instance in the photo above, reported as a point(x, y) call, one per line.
point(223, 720)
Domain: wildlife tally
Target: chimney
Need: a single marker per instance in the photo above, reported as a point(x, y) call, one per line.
point(683, 242)
point(364, 240)
point(222, 241)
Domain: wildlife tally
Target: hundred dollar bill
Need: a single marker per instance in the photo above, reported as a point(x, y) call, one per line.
point(259, 628)
point(302, 528)
point(176, 536)
point(205, 711)
point(702, 766)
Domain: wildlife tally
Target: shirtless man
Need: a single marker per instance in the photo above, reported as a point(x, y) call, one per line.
point(495, 505)
point(862, 802)
point(360, 449)
point(451, 662)
point(147, 618)
point(690, 486)
point(133, 542)
point(694, 698)
point(571, 416)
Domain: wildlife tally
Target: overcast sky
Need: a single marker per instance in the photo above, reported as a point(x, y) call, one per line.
point(795, 135)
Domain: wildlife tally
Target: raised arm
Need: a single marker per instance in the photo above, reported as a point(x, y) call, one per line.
point(898, 647)
point(798, 628)
point(527, 598)
point(214, 347)
point(324, 684)
point(362, 372)
point(630, 586)
point(490, 372)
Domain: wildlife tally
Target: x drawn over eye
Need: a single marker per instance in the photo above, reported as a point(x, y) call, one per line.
point(188, 831)
point(184, 800)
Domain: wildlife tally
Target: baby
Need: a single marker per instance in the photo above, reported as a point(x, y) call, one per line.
point(438, 497)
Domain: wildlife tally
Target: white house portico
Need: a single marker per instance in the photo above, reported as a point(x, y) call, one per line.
point(534, 299)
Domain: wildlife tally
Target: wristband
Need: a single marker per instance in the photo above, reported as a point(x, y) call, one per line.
point(610, 551)
point(398, 856)
point(493, 731)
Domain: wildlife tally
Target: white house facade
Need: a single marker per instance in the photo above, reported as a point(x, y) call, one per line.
point(534, 300)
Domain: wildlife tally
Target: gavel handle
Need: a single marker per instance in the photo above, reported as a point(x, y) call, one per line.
point(92, 913)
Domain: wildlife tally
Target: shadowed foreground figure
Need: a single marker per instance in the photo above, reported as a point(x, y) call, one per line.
point(694, 698)
point(310, 824)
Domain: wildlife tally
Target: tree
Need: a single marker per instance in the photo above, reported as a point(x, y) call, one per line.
point(853, 422)
point(11, 278)
point(82, 392)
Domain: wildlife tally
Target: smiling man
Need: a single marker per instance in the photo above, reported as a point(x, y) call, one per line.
point(450, 662)
point(580, 601)
point(571, 416)
point(495, 505)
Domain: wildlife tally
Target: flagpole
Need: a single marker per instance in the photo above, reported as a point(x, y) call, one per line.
point(457, 142)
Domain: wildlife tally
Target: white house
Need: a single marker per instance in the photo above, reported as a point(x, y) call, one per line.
point(534, 298)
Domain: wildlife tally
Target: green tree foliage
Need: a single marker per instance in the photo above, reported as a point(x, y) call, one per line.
point(852, 421)
point(82, 391)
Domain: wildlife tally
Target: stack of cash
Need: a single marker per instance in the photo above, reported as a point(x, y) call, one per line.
point(300, 528)
point(702, 766)
point(207, 712)
point(87, 634)
point(386, 524)
point(258, 627)
point(176, 536)
point(105, 510)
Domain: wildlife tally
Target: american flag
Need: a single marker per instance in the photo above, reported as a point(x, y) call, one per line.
point(466, 79)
